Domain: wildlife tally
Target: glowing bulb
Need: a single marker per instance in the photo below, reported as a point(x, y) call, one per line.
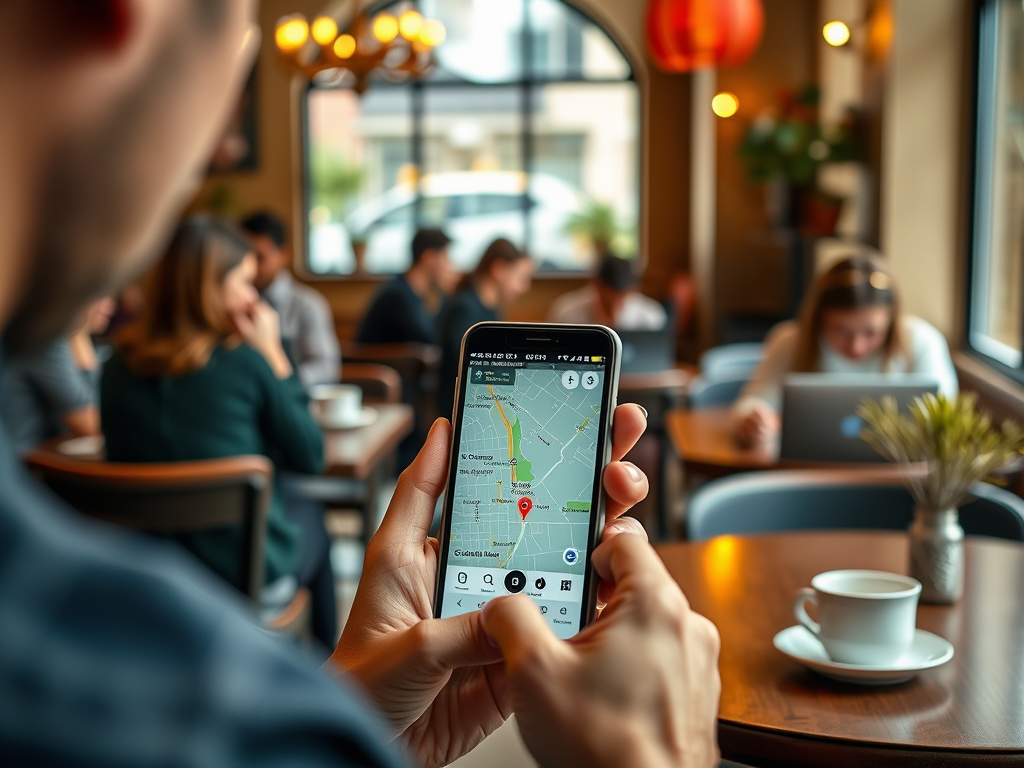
point(324, 30)
point(409, 24)
point(725, 104)
point(836, 33)
point(432, 34)
point(385, 27)
point(292, 33)
point(344, 46)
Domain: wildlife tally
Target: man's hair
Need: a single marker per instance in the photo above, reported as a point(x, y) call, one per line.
point(428, 240)
point(267, 224)
point(617, 273)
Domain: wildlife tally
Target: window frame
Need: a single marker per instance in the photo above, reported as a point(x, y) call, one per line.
point(527, 85)
point(990, 352)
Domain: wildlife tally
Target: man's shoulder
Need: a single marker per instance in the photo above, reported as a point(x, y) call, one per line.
point(118, 634)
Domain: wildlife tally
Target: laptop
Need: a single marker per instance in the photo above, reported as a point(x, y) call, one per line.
point(819, 412)
point(648, 351)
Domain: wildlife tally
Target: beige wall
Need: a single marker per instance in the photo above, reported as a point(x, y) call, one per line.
point(923, 181)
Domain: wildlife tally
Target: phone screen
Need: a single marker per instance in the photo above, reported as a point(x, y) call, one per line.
point(525, 485)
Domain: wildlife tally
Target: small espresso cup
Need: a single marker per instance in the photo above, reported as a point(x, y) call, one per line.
point(864, 617)
point(338, 403)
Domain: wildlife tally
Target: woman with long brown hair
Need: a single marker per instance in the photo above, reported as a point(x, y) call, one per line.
point(202, 374)
point(851, 322)
point(500, 277)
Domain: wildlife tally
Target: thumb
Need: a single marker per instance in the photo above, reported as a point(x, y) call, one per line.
point(412, 507)
point(514, 622)
point(459, 641)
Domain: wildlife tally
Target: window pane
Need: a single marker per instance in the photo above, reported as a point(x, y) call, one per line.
point(472, 149)
point(483, 40)
point(585, 170)
point(567, 45)
point(997, 320)
point(360, 178)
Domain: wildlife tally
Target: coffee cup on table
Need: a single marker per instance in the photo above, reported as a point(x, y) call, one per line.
point(864, 617)
point(337, 403)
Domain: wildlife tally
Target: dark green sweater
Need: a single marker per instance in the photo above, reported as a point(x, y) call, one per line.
point(232, 406)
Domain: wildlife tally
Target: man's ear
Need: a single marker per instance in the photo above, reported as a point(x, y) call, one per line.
point(77, 27)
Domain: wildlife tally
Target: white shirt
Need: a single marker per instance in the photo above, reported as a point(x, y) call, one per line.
point(307, 330)
point(928, 354)
point(639, 313)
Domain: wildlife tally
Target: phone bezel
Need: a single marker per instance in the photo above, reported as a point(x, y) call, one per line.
point(565, 339)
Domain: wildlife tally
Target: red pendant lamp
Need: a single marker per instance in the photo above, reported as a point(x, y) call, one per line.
point(683, 35)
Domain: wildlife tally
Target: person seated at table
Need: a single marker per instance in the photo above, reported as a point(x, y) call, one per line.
point(307, 324)
point(850, 323)
point(501, 276)
point(52, 390)
point(202, 375)
point(611, 299)
point(398, 313)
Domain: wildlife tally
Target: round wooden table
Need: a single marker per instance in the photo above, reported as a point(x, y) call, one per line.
point(775, 712)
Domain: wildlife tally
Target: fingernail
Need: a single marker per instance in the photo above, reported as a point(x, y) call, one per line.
point(646, 417)
point(633, 471)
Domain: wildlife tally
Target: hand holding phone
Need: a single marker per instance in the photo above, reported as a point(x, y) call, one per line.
point(531, 436)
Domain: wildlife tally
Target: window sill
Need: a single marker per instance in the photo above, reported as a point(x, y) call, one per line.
point(996, 391)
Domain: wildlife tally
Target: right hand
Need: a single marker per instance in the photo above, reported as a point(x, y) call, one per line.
point(638, 687)
point(260, 328)
point(759, 425)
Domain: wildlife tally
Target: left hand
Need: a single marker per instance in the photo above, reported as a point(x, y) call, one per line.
point(439, 682)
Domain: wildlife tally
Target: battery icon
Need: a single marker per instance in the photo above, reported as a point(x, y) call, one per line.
point(596, 359)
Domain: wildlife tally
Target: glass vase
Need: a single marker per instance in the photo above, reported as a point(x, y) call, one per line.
point(937, 555)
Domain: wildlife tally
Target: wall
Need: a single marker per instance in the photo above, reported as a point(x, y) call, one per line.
point(277, 183)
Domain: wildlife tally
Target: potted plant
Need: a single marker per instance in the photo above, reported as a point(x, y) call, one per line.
point(946, 446)
point(595, 223)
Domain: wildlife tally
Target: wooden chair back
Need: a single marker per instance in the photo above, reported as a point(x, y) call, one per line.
point(416, 365)
point(171, 498)
point(380, 383)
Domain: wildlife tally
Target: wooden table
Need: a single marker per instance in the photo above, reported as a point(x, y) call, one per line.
point(704, 441)
point(775, 712)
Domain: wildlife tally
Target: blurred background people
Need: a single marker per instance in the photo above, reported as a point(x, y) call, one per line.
point(398, 313)
point(501, 276)
point(850, 323)
point(307, 325)
point(52, 390)
point(203, 375)
point(611, 299)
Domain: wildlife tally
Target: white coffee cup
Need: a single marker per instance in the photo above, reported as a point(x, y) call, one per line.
point(865, 617)
point(338, 403)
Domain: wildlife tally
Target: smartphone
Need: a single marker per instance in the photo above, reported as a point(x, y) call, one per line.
point(525, 505)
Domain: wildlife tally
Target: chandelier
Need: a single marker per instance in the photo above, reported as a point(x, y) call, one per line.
point(347, 44)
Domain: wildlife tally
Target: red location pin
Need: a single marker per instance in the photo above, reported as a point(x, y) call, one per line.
point(525, 505)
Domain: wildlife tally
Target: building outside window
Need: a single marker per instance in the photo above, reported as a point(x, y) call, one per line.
point(529, 123)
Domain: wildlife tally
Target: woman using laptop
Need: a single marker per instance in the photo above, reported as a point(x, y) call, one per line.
point(850, 323)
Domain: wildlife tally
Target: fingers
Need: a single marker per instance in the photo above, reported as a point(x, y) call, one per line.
point(625, 485)
point(626, 555)
point(412, 507)
point(627, 525)
point(628, 422)
point(459, 641)
point(514, 622)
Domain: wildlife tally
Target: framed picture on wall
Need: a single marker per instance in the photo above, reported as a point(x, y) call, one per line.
point(238, 149)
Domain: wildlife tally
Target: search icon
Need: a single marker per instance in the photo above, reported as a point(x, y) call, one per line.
point(488, 579)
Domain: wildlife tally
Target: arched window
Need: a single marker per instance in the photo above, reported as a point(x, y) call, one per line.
point(528, 128)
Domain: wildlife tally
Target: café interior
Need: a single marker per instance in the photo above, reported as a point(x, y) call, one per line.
point(798, 218)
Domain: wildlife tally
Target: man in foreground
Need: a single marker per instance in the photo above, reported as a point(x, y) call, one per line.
point(117, 651)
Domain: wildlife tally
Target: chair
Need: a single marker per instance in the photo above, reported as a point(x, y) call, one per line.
point(177, 497)
point(731, 361)
point(788, 500)
point(707, 393)
point(380, 383)
point(416, 364)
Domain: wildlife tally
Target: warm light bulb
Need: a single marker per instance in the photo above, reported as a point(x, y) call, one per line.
point(385, 28)
point(432, 34)
point(344, 46)
point(292, 33)
point(324, 30)
point(725, 104)
point(836, 33)
point(409, 24)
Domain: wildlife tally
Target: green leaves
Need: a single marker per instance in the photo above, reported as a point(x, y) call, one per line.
point(952, 439)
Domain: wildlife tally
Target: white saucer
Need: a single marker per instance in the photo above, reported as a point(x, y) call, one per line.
point(88, 446)
point(926, 652)
point(365, 417)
